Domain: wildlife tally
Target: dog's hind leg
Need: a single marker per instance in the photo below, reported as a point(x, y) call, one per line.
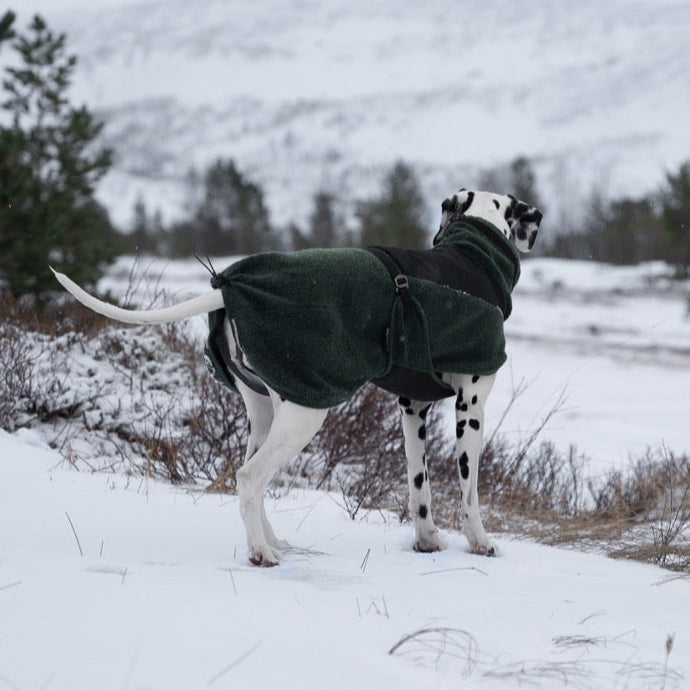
point(292, 427)
point(260, 417)
point(426, 535)
point(471, 392)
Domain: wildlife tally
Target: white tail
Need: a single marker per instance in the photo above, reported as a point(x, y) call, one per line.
point(192, 307)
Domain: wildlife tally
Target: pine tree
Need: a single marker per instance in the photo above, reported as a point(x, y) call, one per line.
point(326, 225)
point(675, 218)
point(523, 182)
point(232, 217)
point(49, 166)
point(397, 216)
point(6, 30)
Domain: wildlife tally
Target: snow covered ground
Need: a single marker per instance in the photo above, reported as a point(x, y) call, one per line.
point(162, 596)
point(114, 581)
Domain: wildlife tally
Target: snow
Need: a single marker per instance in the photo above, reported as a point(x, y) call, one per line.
point(115, 581)
point(163, 597)
point(110, 580)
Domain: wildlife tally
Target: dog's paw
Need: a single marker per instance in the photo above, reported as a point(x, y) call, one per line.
point(265, 557)
point(484, 548)
point(429, 542)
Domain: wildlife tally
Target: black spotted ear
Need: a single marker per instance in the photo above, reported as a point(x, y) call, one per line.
point(524, 221)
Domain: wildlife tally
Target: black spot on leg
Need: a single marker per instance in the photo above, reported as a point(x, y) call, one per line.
point(474, 423)
point(422, 432)
point(249, 426)
point(419, 480)
point(459, 399)
point(475, 378)
point(464, 465)
point(460, 428)
point(424, 459)
point(404, 402)
point(423, 512)
point(474, 399)
point(423, 412)
point(464, 407)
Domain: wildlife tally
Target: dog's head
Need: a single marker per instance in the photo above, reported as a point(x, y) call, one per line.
point(517, 220)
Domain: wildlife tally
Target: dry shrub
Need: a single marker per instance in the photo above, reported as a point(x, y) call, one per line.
point(16, 376)
point(532, 488)
point(136, 399)
point(359, 452)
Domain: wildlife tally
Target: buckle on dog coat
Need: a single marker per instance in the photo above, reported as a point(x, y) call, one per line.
point(402, 284)
point(402, 288)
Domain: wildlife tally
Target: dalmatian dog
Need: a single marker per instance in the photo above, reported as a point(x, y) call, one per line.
point(281, 428)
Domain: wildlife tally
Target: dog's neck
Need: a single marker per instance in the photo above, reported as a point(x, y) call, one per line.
point(484, 243)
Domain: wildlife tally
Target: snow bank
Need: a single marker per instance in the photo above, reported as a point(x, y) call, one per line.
point(163, 597)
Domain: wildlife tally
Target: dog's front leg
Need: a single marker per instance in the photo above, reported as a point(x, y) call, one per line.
point(426, 535)
point(472, 392)
point(293, 426)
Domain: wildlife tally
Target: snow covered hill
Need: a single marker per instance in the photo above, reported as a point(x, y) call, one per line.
point(307, 94)
point(111, 582)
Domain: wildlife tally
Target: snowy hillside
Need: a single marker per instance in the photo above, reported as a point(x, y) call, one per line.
point(307, 94)
point(109, 582)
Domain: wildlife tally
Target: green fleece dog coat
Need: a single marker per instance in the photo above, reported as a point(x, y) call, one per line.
point(315, 325)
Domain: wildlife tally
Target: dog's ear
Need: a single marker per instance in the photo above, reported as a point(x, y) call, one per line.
point(452, 208)
point(524, 221)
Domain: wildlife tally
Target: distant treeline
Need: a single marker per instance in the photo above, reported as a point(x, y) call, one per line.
point(230, 216)
point(629, 229)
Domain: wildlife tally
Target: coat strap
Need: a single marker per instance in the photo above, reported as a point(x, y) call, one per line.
point(402, 284)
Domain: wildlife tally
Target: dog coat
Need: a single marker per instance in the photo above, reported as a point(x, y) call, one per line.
point(317, 324)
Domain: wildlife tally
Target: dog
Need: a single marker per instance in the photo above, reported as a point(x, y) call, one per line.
point(288, 388)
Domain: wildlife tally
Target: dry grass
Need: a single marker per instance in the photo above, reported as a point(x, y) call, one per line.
point(440, 646)
point(430, 646)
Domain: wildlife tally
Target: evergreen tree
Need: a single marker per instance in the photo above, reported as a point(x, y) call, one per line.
point(146, 230)
point(516, 178)
point(523, 182)
point(6, 30)
point(397, 217)
point(675, 218)
point(48, 169)
point(326, 225)
point(231, 217)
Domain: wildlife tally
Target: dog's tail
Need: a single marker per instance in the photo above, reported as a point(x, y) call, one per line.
point(192, 307)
